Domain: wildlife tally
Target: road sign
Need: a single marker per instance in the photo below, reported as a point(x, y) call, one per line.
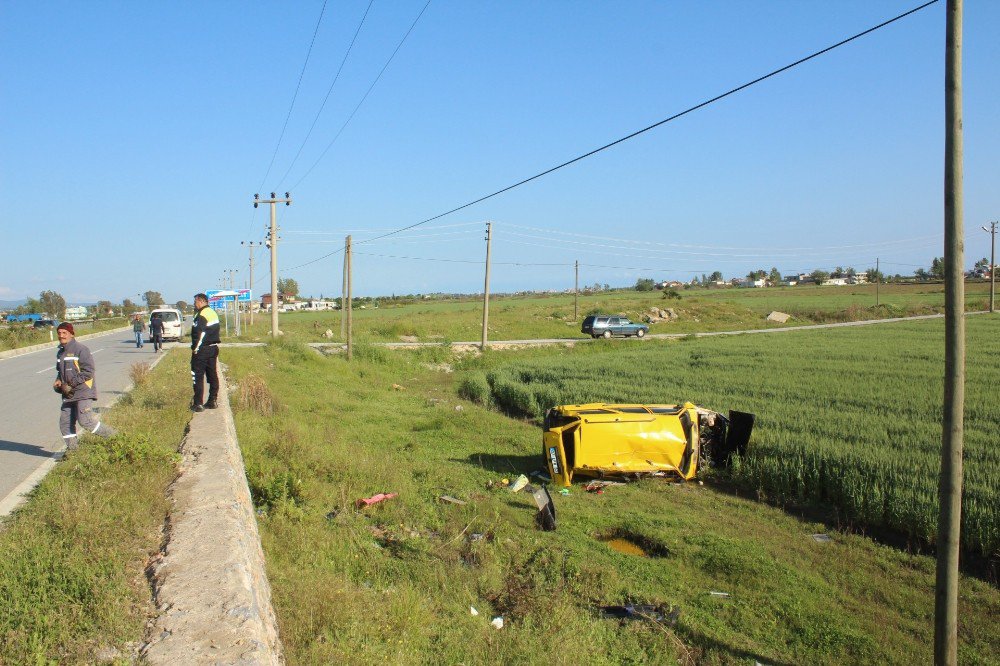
point(243, 295)
point(216, 297)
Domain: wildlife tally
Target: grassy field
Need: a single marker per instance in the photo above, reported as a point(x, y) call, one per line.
point(394, 583)
point(19, 335)
point(72, 582)
point(847, 418)
point(521, 317)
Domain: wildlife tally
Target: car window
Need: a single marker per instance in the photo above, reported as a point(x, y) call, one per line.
point(167, 316)
point(602, 320)
point(624, 322)
point(613, 321)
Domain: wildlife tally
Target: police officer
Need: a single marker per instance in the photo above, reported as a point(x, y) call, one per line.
point(75, 382)
point(204, 353)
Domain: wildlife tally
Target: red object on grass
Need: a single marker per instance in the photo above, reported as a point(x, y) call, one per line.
point(374, 499)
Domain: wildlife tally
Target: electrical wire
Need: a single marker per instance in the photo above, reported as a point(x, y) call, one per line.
point(461, 261)
point(370, 88)
point(328, 92)
point(294, 97)
point(665, 120)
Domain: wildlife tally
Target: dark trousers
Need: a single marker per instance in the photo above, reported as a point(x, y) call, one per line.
point(205, 363)
point(157, 341)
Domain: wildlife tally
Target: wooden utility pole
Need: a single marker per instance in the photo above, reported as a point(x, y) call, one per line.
point(272, 242)
point(878, 280)
point(251, 245)
point(486, 288)
point(993, 266)
point(343, 292)
point(350, 306)
point(576, 290)
point(950, 484)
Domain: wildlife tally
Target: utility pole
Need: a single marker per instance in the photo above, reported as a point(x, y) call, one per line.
point(878, 280)
point(251, 245)
point(343, 291)
point(993, 265)
point(576, 290)
point(350, 307)
point(486, 288)
point(950, 484)
point(272, 242)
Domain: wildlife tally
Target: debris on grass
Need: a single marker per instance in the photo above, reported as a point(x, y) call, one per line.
point(541, 475)
point(822, 538)
point(564, 491)
point(473, 611)
point(397, 387)
point(546, 516)
point(599, 486)
point(451, 500)
point(497, 622)
point(648, 612)
point(721, 595)
point(374, 499)
point(519, 483)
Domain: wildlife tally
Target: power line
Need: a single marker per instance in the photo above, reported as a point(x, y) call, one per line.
point(370, 88)
point(462, 261)
point(662, 122)
point(328, 92)
point(294, 97)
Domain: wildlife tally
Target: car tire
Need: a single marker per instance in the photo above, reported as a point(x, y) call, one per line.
point(640, 333)
point(607, 335)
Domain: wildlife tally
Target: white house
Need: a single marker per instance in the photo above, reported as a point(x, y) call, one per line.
point(76, 312)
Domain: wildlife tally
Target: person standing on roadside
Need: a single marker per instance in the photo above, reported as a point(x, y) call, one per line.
point(204, 353)
point(75, 382)
point(138, 326)
point(156, 331)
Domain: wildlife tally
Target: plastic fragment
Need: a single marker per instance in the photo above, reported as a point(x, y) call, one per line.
point(723, 595)
point(451, 500)
point(519, 483)
point(564, 491)
point(473, 611)
point(822, 538)
point(497, 622)
point(374, 499)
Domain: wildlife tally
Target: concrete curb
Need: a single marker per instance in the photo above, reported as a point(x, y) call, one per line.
point(209, 583)
point(21, 351)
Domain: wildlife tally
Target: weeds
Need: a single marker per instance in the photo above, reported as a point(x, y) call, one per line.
point(139, 372)
point(255, 396)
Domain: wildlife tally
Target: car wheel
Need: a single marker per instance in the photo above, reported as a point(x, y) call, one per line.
point(607, 335)
point(641, 332)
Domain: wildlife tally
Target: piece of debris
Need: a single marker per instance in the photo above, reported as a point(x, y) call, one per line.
point(374, 499)
point(597, 486)
point(519, 483)
point(328, 335)
point(477, 536)
point(721, 595)
point(540, 475)
point(779, 317)
point(546, 516)
point(822, 538)
point(497, 622)
point(397, 387)
point(458, 408)
point(647, 612)
point(505, 482)
point(473, 611)
point(564, 491)
point(451, 500)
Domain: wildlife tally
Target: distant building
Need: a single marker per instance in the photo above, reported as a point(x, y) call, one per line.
point(835, 281)
point(752, 284)
point(857, 278)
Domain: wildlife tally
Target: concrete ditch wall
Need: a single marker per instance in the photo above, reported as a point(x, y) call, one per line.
point(209, 583)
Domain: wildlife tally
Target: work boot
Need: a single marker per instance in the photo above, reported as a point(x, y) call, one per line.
point(211, 404)
point(197, 408)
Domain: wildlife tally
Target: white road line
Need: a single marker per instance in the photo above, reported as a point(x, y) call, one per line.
point(46, 370)
point(99, 350)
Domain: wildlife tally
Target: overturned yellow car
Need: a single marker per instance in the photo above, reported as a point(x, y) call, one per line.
point(602, 440)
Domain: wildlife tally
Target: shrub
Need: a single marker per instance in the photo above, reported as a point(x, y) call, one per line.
point(254, 395)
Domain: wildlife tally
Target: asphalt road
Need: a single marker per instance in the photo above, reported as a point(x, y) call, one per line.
point(29, 427)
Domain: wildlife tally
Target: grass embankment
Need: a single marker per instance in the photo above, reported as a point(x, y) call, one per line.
point(527, 317)
point(15, 336)
point(72, 581)
point(393, 583)
point(848, 419)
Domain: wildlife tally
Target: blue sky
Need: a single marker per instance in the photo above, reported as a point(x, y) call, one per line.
point(134, 136)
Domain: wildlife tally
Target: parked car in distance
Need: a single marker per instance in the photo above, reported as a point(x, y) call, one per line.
point(605, 326)
point(173, 323)
point(45, 323)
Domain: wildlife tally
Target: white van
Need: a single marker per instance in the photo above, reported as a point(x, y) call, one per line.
point(173, 323)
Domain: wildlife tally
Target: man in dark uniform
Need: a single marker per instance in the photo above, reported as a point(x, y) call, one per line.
point(204, 353)
point(75, 382)
point(156, 331)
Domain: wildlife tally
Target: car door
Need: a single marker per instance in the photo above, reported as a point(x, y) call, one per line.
point(614, 326)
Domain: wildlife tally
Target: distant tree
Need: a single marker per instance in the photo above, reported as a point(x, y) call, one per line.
point(645, 284)
point(850, 272)
point(606, 286)
point(53, 304)
point(819, 276)
point(104, 308)
point(288, 286)
point(838, 272)
point(874, 275)
point(153, 299)
point(704, 279)
point(982, 266)
point(695, 281)
point(30, 306)
point(937, 267)
point(715, 276)
point(921, 274)
point(774, 276)
point(181, 305)
point(128, 307)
